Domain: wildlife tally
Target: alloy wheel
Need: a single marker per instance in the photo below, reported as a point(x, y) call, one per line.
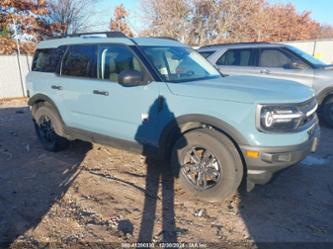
point(201, 168)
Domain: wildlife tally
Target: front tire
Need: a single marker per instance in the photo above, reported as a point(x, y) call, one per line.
point(327, 111)
point(207, 164)
point(47, 124)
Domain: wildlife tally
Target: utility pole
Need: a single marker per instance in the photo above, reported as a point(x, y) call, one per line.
point(18, 54)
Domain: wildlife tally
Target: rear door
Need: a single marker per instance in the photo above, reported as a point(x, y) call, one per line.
point(77, 77)
point(43, 78)
point(237, 62)
point(279, 63)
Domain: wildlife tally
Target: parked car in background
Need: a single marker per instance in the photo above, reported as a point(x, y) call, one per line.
point(277, 61)
point(159, 97)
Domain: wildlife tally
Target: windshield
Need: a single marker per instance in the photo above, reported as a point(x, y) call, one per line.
point(315, 62)
point(180, 64)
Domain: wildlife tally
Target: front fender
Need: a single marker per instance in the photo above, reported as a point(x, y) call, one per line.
point(323, 94)
point(175, 128)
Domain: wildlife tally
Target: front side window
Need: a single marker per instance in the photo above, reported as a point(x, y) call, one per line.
point(114, 59)
point(180, 64)
point(236, 57)
point(47, 60)
point(80, 61)
point(307, 57)
point(274, 58)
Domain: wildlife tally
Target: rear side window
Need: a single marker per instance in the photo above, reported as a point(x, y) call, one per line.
point(47, 60)
point(273, 58)
point(236, 57)
point(80, 61)
point(206, 54)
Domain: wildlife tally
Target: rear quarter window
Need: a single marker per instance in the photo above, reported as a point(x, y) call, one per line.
point(47, 60)
point(206, 54)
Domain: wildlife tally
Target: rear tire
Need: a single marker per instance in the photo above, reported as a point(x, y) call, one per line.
point(48, 126)
point(327, 111)
point(208, 154)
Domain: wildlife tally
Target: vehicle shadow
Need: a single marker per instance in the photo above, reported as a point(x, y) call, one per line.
point(295, 209)
point(31, 179)
point(159, 175)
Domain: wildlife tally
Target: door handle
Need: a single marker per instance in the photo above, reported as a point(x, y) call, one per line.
point(264, 71)
point(101, 92)
point(56, 87)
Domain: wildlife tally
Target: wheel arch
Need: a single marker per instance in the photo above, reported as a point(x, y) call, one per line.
point(179, 126)
point(324, 95)
point(42, 98)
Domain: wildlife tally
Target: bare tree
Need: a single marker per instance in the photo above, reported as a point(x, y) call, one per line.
point(285, 24)
point(166, 18)
point(72, 15)
point(23, 19)
point(119, 21)
point(240, 20)
point(203, 24)
point(325, 31)
point(199, 22)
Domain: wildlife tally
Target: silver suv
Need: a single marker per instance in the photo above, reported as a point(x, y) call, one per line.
point(276, 61)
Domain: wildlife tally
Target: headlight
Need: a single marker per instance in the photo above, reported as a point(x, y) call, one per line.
point(281, 118)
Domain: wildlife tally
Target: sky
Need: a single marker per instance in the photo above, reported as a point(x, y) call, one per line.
point(106, 7)
point(321, 11)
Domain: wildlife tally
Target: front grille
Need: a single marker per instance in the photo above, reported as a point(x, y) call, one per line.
point(308, 107)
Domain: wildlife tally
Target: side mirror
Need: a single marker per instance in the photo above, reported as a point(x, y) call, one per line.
point(295, 65)
point(130, 78)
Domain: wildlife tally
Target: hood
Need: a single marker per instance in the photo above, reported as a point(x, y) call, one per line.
point(328, 67)
point(245, 89)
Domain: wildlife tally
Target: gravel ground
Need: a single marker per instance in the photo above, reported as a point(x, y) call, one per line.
point(91, 195)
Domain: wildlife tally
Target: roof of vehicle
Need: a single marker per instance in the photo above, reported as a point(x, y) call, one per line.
point(215, 47)
point(111, 37)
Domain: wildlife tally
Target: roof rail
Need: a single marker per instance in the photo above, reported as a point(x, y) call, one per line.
point(112, 34)
point(164, 37)
point(234, 43)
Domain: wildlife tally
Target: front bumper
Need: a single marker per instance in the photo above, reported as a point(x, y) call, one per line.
point(269, 160)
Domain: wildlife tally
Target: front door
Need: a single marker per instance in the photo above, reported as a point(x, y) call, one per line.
point(277, 63)
point(100, 104)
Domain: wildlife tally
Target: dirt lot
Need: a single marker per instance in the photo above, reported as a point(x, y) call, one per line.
point(105, 197)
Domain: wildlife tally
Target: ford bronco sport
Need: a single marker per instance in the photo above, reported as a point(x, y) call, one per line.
point(160, 97)
point(278, 61)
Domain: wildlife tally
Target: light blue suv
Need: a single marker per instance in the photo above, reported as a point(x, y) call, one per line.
point(161, 98)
